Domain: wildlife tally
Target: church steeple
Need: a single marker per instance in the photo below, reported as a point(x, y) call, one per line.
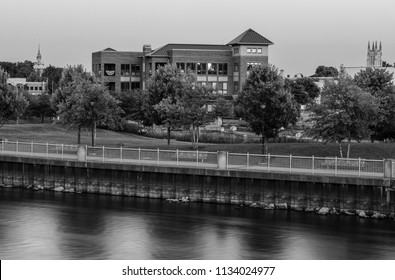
point(374, 55)
point(38, 54)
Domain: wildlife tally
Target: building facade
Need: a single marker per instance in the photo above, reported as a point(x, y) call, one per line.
point(222, 67)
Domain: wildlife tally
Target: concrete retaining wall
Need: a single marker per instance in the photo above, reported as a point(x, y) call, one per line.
point(203, 185)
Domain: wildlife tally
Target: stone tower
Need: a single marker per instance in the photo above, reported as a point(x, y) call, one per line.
point(374, 55)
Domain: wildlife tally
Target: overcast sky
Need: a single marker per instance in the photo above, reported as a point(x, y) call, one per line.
point(306, 33)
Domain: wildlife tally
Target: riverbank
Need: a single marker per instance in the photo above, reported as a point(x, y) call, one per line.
point(48, 133)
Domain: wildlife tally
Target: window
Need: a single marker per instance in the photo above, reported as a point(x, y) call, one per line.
point(135, 85)
point(35, 88)
point(236, 51)
point(124, 86)
point(254, 50)
point(259, 50)
point(125, 69)
point(191, 66)
point(111, 86)
point(248, 50)
point(135, 70)
point(222, 88)
point(40, 88)
point(236, 87)
point(222, 68)
point(181, 65)
point(109, 69)
point(251, 65)
point(236, 67)
point(212, 68)
point(201, 68)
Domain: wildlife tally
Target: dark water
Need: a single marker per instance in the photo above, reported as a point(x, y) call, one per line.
point(48, 225)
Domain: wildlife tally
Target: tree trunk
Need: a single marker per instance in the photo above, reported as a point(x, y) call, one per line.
point(168, 135)
point(79, 135)
point(264, 141)
point(348, 149)
point(93, 133)
point(17, 120)
point(341, 149)
point(42, 118)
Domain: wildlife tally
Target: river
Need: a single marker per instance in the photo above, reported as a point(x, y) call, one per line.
point(65, 226)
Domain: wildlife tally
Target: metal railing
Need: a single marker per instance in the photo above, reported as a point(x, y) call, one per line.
point(199, 159)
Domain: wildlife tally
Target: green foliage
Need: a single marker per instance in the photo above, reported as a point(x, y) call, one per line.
point(222, 108)
point(304, 90)
point(375, 81)
point(346, 113)
point(18, 69)
point(325, 71)
point(135, 106)
point(40, 106)
point(265, 103)
point(52, 75)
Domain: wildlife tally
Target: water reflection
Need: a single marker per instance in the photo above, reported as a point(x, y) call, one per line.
point(48, 225)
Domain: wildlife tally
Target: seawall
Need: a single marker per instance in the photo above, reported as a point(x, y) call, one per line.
point(297, 191)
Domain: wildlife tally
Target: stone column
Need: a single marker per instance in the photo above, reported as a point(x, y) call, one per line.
point(222, 159)
point(389, 167)
point(81, 153)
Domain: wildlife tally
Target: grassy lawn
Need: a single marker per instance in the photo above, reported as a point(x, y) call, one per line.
point(43, 133)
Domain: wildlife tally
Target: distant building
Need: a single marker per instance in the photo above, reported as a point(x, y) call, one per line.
point(33, 88)
point(222, 67)
point(39, 65)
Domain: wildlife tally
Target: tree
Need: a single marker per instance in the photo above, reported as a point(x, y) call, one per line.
point(304, 90)
point(52, 76)
point(134, 105)
point(168, 83)
point(12, 101)
point(266, 104)
point(346, 113)
point(40, 106)
point(85, 102)
point(222, 108)
point(325, 71)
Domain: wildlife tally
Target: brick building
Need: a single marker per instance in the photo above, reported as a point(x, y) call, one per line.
point(223, 67)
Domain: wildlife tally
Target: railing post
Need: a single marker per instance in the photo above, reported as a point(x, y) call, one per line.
point(197, 158)
point(359, 167)
point(63, 151)
point(121, 153)
point(17, 147)
point(227, 160)
point(335, 165)
point(312, 167)
point(177, 156)
point(2, 146)
point(290, 163)
point(268, 162)
point(46, 150)
point(31, 149)
point(248, 160)
point(139, 155)
point(158, 156)
point(103, 153)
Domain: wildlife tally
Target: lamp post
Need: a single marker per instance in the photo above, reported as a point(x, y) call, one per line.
point(93, 123)
point(263, 106)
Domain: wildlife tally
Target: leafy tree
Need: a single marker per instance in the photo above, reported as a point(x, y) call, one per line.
point(40, 106)
point(52, 76)
point(18, 69)
point(304, 90)
point(85, 102)
point(266, 104)
point(346, 113)
point(12, 101)
point(325, 71)
point(375, 81)
point(222, 108)
point(135, 105)
point(170, 83)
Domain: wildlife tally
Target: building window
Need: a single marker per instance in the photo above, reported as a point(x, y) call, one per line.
point(236, 51)
point(135, 70)
point(248, 50)
point(35, 88)
point(223, 68)
point(236, 87)
point(40, 88)
point(201, 68)
point(135, 85)
point(125, 69)
point(191, 66)
point(251, 65)
point(124, 86)
point(222, 88)
point(181, 65)
point(109, 69)
point(212, 68)
point(111, 86)
point(259, 50)
point(236, 67)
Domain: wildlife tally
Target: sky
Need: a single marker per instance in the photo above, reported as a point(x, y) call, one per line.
point(305, 33)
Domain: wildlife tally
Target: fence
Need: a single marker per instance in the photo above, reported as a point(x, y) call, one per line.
point(199, 159)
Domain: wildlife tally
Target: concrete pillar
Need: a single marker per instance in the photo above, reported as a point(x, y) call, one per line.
point(81, 153)
point(222, 159)
point(388, 168)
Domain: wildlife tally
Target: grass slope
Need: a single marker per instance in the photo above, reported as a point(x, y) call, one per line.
point(43, 133)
